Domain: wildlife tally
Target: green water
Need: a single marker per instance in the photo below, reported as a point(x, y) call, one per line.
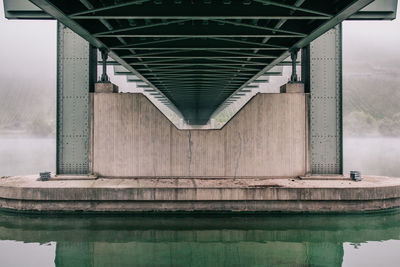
point(286, 240)
point(270, 240)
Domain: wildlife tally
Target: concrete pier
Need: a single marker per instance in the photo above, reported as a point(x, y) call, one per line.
point(168, 194)
point(132, 138)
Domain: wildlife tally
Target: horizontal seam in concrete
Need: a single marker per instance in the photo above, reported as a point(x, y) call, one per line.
point(200, 194)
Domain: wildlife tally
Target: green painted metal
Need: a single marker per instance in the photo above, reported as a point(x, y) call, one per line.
point(75, 66)
point(326, 103)
point(378, 10)
point(23, 9)
point(159, 41)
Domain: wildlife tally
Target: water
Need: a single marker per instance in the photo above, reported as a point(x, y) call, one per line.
point(273, 240)
point(270, 240)
point(24, 155)
point(373, 155)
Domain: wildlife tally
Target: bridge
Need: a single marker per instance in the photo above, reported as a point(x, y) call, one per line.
point(196, 59)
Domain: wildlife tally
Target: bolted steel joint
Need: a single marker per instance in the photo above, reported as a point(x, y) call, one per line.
point(293, 56)
point(104, 55)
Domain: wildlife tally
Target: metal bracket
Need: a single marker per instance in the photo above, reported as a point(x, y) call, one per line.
point(293, 56)
point(104, 77)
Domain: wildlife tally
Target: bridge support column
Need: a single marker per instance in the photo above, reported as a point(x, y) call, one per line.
point(324, 83)
point(76, 74)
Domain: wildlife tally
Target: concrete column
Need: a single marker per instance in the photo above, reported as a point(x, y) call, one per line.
point(325, 84)
point(76, 73)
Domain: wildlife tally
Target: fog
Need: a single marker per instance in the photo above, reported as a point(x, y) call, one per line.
point(371, 83)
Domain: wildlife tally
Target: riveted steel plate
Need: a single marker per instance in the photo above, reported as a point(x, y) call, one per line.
point(72, 102)
point(326, 103)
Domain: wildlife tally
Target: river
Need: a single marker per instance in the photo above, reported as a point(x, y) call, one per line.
point(269, 240)
point(273, 240)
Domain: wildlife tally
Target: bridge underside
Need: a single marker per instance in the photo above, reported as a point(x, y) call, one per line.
point(198, 57)
point(196, 54)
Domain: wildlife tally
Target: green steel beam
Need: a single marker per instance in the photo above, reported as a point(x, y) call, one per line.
point(295, 8)
point(17, 9)
point(197, 57)
point(335, 20)
point(23, 9)
point(55, 12)
point(137, 47)
point(188, 35)
point(75, 63)
point(205, 66)
point(252, 26)
point(147, 26)
point(231, 44)
point(326, 129)
point(204, 17)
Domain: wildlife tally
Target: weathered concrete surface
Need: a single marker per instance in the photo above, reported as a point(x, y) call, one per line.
point(200, 194)
point(105, 88)
point(292, 87)
point(131, 137)
point(73, 177)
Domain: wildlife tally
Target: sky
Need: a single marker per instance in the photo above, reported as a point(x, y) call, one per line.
point(27, 48)
point(373, 42)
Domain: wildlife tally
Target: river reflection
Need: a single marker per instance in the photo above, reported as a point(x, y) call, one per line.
point(273, 240)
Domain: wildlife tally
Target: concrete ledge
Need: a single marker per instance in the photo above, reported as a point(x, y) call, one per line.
point(175, 194)
point(105, 87)
point(73, 177)
point(324, 177)
point(292, 87)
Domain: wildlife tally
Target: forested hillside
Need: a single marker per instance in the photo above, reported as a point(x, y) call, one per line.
point(372, 104)
point(27, 107)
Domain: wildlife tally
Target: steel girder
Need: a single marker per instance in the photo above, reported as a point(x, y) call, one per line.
point(229, 38)
point(76, 73)
point(325, 86)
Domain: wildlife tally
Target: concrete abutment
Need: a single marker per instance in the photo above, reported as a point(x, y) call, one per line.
point(132, 138)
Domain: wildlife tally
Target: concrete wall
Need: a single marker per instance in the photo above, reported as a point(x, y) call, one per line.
point(131, 137)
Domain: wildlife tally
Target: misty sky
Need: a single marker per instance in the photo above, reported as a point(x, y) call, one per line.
point(374, 42)
point(28, 50)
